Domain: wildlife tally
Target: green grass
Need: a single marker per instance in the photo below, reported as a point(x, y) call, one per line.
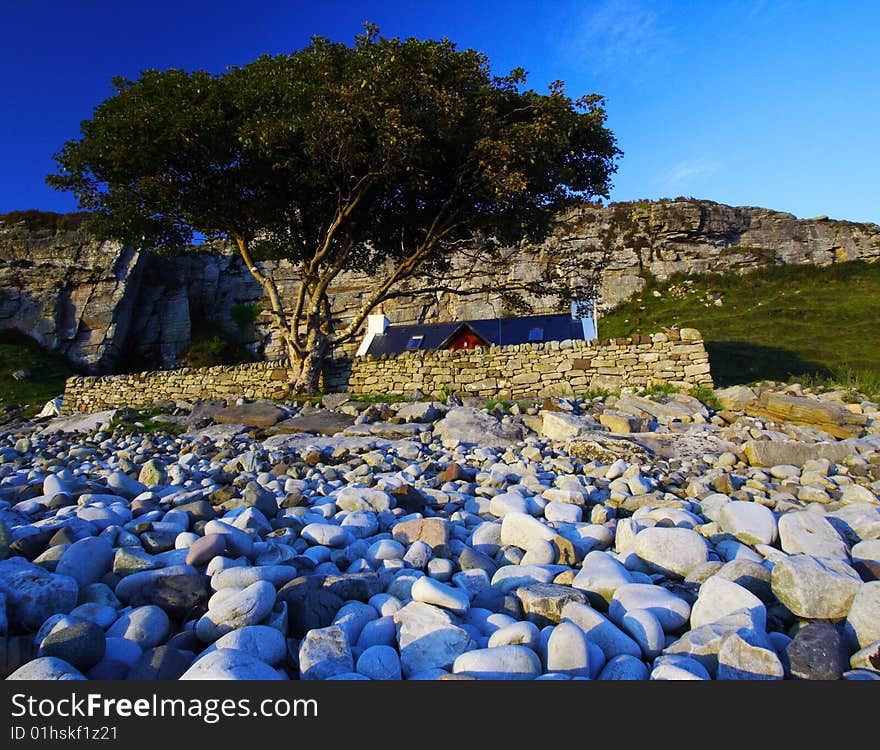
point(379, 398)
point(142, 421)
point(47, 373)
point(777, 323)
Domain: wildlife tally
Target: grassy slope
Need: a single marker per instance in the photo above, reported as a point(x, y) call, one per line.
point(777, 323)
point(48, 372)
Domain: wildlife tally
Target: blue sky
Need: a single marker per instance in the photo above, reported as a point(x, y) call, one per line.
point(771, 103)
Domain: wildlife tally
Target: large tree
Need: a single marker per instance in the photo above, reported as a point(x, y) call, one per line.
point(388, 158)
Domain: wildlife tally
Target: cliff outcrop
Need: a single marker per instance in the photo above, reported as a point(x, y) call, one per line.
point(111, 308)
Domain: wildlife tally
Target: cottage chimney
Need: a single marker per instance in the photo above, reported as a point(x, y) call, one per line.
point(585, 311)
point(377, 322)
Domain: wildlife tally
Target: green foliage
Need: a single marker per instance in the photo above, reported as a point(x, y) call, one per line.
point(596, 393)
point(657, 390)
point(339, 158)
point(776, 323)
point(244, 315)
point(492, 403)
point(210, 350)
point(379, 398)
point(47, 373)
point(142, 421)
point(444, 393)
point(35, 220)
point(706, 395)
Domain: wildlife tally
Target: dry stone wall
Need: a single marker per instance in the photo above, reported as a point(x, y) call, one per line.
point(553, 368)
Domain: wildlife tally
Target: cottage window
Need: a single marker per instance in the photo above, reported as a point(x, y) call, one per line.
point(536, 334)
point(415, 342)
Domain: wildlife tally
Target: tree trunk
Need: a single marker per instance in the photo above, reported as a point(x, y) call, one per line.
point(311, 364)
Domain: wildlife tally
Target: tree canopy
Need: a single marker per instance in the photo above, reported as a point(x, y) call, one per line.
point(387, 158)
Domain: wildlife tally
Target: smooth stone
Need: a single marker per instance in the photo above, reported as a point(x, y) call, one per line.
point(704, 642)
point(523, 530)
point(205, 549)
point(46, 668)
point(80, 644)
point(471, 559)
point(249, 606)
point(568, 650)
point(385, 604)
point(750, 522)
point(863, 619)
point(543, 602)
point(161, 663)
point(385, 549)
point(601, 631)
point(180, 596)
point(230, 664)
point(261, 641)
point(672, 611)
point(508, 578)
point(802, 532)
point(361, 524)
point(242, 577)
point(430, 591)
point(100, 614)
point(325, 652)
point(563, 512)
point(352, 617)
point(418, 555)
point(523, 633)
point(310, 603)
point(121, 650)
point(867, 657)
point(238, 542)
point(719, 597)
point(508, 503)
point(818, 652)
point(600, 576)
point(672, 551)
point(147, 626)
point(428, 638)
point(624, 667)
point(122, 484)
point(646, 630)
point(379, 662)
point(750, 575)
point(136, 582)
point(814, 588)
point(378, 632)
point(326, 534)
point(33, 594)
point(362, 498)
point(542, 552)
point(510, 662)
point(740, 660)
point(678, 667)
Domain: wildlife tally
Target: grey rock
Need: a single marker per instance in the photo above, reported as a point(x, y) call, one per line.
point(325, 652)
point(380, 662)
point(230, 664)
point(86, 560)
point(543, 603)
point(750, 522)
point(818, 652)
point(624, 667)
point(46, 668)
point(815, 588)
point(80, 644)
point(738, 659)
point(247, 607)
point(319, 423)
point(147, 626)
point(510, 662)
point(719, 597)
point(33, 594)
point(646, 630)
point(671, 551)
point(600, 576)
point(472, 426)
point(568, 650)
point(811, 534)
point(601, 631)
point(863, 619)
point(256, 414)
point(672, 611)
point(261, 641)
point(161, 663)
point(428, 638)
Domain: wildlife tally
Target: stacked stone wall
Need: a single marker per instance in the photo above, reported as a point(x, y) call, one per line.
point(552, 368)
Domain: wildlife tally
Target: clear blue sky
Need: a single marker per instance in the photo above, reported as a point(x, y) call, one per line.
point(752, 102)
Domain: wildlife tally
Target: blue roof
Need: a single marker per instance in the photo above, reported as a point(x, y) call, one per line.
point(500, 331)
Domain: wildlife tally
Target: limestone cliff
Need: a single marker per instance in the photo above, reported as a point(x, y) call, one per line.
point(97, 302)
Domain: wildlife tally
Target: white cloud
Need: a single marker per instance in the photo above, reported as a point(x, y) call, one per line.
point(684, 172)
point(614, 33)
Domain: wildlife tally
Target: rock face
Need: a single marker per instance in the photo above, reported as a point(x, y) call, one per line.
point(87, 299)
